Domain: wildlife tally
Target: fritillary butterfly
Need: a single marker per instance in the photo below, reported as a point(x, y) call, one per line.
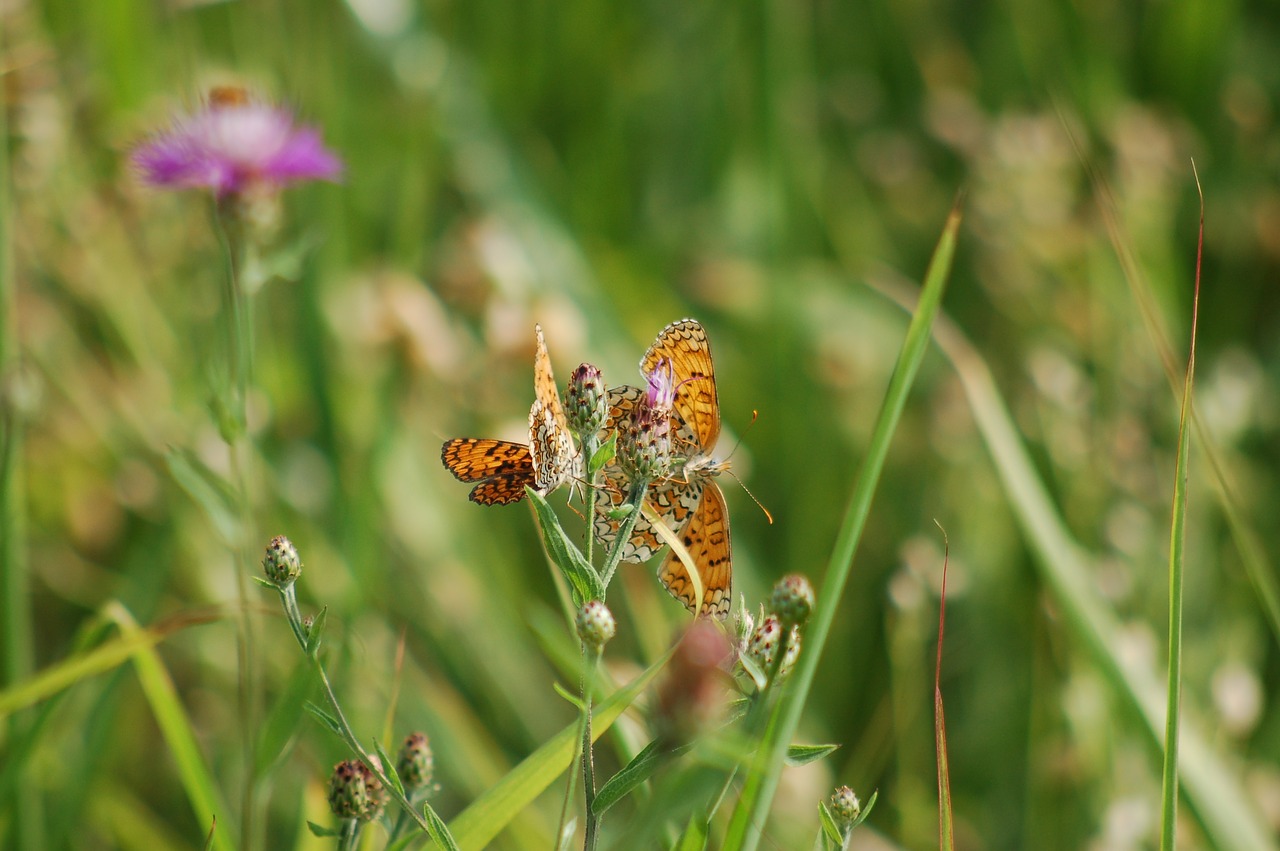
point(503, 468)
point(689, 501)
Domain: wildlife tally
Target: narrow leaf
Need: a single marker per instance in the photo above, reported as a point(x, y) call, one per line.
point(584, 582)
point(439, 830)
point(640, 769)
point(798, 755)
point(318, 712)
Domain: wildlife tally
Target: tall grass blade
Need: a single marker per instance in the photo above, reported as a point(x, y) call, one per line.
point(175, 726)
point(946, 831)
point(1177, 553)
point(747, 823)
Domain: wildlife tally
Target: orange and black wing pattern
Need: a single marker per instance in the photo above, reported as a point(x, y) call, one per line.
point(501, 467)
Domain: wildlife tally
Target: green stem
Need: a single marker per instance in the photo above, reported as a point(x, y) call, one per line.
point(16, 636)
point(591, 659)
point(294, 616)
point(233, 427)
point(349, 839)
point(638, 489)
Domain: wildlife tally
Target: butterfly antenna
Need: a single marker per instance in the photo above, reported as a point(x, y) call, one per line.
point(758, 503)
point(755, 415)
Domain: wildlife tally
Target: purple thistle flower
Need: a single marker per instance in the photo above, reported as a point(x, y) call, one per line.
point(662, 385)
point(233, 144)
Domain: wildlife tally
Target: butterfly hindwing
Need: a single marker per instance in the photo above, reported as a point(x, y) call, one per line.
point(501, 467)
point(706, 537)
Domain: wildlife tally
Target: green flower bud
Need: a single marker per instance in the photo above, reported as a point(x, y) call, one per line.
point(792, 600)
point(281, 563)
point(415, 763)
point(596, 624)
point(844, 806)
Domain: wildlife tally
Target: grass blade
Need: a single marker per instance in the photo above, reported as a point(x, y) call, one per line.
point(747, 822)
point(175, 726)
point(1177, 551)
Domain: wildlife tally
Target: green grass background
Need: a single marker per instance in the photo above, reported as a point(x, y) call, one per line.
point(769, 168)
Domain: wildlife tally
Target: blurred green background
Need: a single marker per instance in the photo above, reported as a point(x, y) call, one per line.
point(770, 168)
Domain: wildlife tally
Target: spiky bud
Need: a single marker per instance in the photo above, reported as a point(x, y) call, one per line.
point(792, 600)
point(644, 449)
point(586, 402)
point(845, 807)
point(354, 791)
point(762, 648)
point(596, 624)
point(281, 563)
point(415, 763)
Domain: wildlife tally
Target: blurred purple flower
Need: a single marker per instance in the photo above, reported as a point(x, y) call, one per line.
point(233, 144)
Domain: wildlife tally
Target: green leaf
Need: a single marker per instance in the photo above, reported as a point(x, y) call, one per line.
point(322, 832)
point(389, 767)
point(637, 771)
point(830, 829)
point(177, 730)
point(567, 695)
point(326, 719)
point(603, 455)
point(798, 755)
point(695, 834)
point(866, 809)
point(477, 825)
point(584, 582)
point(317, 630)
point(439, 830)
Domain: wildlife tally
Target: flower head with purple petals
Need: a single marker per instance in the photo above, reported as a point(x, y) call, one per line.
point(661, 383)
point(233, 144)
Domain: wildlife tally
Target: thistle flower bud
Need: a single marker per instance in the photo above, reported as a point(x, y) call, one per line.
point(415, 763)
point(281, 563)
point(644, 449)
point(792, 600)
point(844, 806)
point(596, 624)
point(762, 648)
point(348, 791)
point(586, 403)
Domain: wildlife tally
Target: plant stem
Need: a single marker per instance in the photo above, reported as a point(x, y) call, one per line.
point(292, 613)
point(638, 490)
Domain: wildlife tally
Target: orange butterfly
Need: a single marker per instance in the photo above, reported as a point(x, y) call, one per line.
point(503, 468)
point(689, 501)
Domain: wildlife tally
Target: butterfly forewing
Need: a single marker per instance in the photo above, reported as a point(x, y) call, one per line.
point(501, 467)
point(685, 344)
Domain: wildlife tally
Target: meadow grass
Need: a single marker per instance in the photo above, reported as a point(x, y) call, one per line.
point(781, 172)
